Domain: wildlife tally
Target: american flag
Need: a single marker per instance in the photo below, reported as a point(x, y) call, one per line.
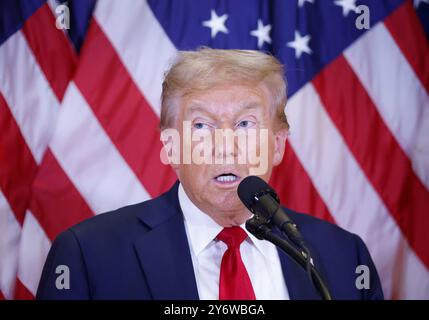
point(79, 114)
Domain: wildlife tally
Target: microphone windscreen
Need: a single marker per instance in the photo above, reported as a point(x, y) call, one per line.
point(251, 186)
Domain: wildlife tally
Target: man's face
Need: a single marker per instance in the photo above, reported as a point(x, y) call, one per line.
point(213, 186)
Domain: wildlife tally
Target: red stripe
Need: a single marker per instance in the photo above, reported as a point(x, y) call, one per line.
point(295, 189)
point(21, 292)
point(406, 29)
point(51, 48)
point(17, 165)
point(381, 158)
point(2, 297)
point(56, 203)
point(122, 111)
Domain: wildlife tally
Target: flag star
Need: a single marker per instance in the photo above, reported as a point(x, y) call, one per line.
point(216, 23)
point(262, 33)
point(347, 5)
point(417, 2)
point(302, 2)
point(300, 44)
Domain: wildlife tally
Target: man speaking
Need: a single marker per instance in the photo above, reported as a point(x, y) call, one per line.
point(222, 119)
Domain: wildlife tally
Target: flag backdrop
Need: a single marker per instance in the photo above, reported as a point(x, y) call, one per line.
point(79, 111)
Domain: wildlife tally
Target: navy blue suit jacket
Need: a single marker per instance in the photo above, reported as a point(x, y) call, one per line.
point(142, 252)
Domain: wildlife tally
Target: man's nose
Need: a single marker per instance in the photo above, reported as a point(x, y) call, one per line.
point(225, 143)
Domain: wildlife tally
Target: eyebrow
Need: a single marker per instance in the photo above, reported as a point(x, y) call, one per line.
point(197, 107)
point(250, 106)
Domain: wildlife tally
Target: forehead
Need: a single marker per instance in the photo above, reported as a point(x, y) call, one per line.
point(225, 101)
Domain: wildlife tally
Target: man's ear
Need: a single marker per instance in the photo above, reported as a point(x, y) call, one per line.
point(279, 145)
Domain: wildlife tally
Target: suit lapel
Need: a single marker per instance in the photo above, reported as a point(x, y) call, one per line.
point(164, 253)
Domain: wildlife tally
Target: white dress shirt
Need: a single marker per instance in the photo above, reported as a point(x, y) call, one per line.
point(260, 257)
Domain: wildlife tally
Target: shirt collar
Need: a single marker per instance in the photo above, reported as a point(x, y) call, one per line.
point(203, 229)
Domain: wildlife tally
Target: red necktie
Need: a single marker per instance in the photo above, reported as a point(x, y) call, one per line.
point(234, 281)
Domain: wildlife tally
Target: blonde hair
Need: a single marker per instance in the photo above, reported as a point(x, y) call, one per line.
point(207, 68)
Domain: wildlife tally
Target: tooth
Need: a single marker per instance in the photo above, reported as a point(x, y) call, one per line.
point(228, 178)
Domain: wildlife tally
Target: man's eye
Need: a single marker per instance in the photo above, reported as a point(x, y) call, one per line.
point(245, 124)
point(200, 125)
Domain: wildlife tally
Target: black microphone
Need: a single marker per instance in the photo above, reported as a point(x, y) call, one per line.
point(260, 198)
point(257, 225)
point(264, 203)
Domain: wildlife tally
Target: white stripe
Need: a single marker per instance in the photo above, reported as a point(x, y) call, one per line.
point(53, 4)
point(33, 251)
point(90, 159)
point(397, 93)
point(28, 94)
point(349, 196)
point(10, 232)
point(141, 42)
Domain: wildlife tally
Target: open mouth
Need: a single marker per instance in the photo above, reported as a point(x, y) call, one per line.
point(227, 178)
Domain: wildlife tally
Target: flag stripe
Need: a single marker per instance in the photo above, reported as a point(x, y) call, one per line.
point(145, 58)
point(408, 33)
point(18, 166)
point(27, 94)
point(106, 182)
point(295, 189)
point(370, 141)
point(56, 203)
point(10, 231)
point(122, 111)
point(347, 193)
point(51, 49)
point(410, 279)
point(33, 250)
point(21, 292)
point(406, 112)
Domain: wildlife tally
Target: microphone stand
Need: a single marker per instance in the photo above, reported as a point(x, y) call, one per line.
point(260, 229)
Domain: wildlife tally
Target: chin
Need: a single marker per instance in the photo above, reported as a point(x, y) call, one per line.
point(229, 202)
point(228, 211)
